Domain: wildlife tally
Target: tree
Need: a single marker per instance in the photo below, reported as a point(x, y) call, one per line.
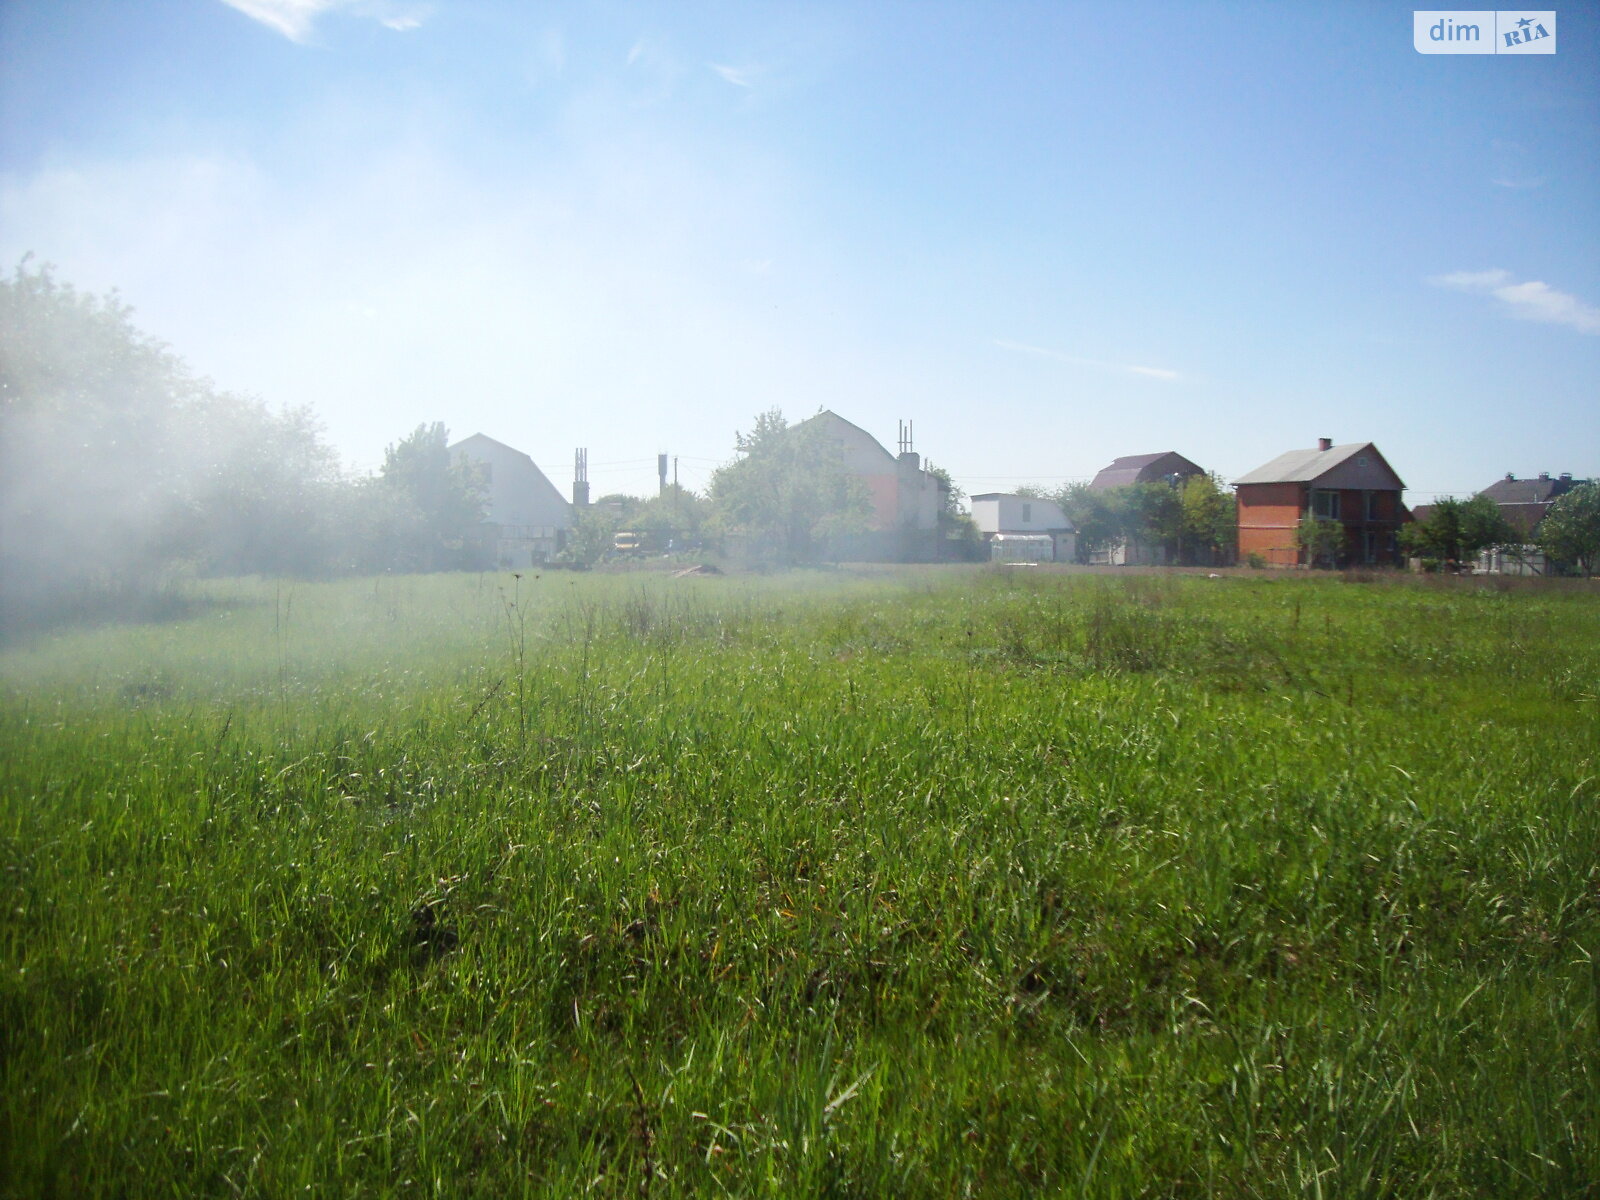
point(1210, 525)
point(1098, 524)
point(86, 401)
point(117, 464)
point(260, 492)
point(1322, 539)
point(959, 538)
point(789, 492)
point(676, 514)
point(592, 535)
point(1152, 514)
point(1570, 531)
point(439, 509)
point(1148, 513)
point(1457, 531)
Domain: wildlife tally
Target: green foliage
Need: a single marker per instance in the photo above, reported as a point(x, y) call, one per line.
point(1209, 521)
point(959, 537)
point(1094, 514)
point(1156, 515)
point(678, 513)
point(592, 535)
point(1321, 540)
point(117, 465)
point(1457, 531)
point(1570, 531)
point(788, 494)
point(942, 883)
point(437, 503)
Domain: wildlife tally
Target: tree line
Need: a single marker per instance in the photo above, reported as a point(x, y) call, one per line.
point(119, 467)
point(1190, 522)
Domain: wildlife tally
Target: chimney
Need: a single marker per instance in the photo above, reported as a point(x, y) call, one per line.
point(1324, 443)
point(1544, 474)
point(1566, 477)
point(580, 479)
point(1510, 478)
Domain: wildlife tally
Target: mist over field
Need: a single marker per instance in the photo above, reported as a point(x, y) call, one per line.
point(852, 882)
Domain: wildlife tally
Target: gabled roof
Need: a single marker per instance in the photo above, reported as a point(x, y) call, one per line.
point(1353, 465)
point(1143, 468)
point(1511, 490)
point(1524, 518)
point(483, 448)
point(827, 415)
point(480, 438)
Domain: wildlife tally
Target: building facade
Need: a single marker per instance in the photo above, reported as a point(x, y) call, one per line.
point(1023, 529)
point(1352, 485)
point(906, 498)
point(528, 518)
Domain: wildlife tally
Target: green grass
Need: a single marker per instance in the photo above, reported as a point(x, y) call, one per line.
point(920, 884)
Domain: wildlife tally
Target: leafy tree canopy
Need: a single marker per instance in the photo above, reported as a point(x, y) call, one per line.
point(117, 463)
point(1570, 531)
point(1456, 531)
point(788, 491)
point(441, 502)
point(1322, 539)
point(1209, 520)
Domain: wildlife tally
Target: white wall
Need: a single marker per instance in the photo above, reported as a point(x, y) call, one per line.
point(998, 512)
point(519, 493)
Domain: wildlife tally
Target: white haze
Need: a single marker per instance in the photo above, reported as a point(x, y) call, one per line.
point(537, 314)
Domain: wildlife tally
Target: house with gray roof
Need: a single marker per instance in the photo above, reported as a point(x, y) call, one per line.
point(1523, 503)
point(1352, 484)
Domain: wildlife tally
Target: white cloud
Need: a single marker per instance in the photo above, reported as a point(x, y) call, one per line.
point(297, 19)
point(1161, 373)
point(738, 76)
point(1528, 301)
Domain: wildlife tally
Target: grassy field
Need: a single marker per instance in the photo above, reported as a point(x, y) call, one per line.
point(933, 883)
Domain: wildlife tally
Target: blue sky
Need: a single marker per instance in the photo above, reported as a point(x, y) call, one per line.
point(1048, 234)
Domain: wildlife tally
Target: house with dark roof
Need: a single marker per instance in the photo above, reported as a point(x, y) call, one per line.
point(1351, 484)
point(1166, 466)
point(1523, 503)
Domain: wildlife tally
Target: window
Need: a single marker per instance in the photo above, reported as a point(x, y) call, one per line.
point(1370, 502)
point(1325, 504)
point(1027, 513)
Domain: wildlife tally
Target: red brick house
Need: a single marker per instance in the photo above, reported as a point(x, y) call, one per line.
point(1351, 484)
